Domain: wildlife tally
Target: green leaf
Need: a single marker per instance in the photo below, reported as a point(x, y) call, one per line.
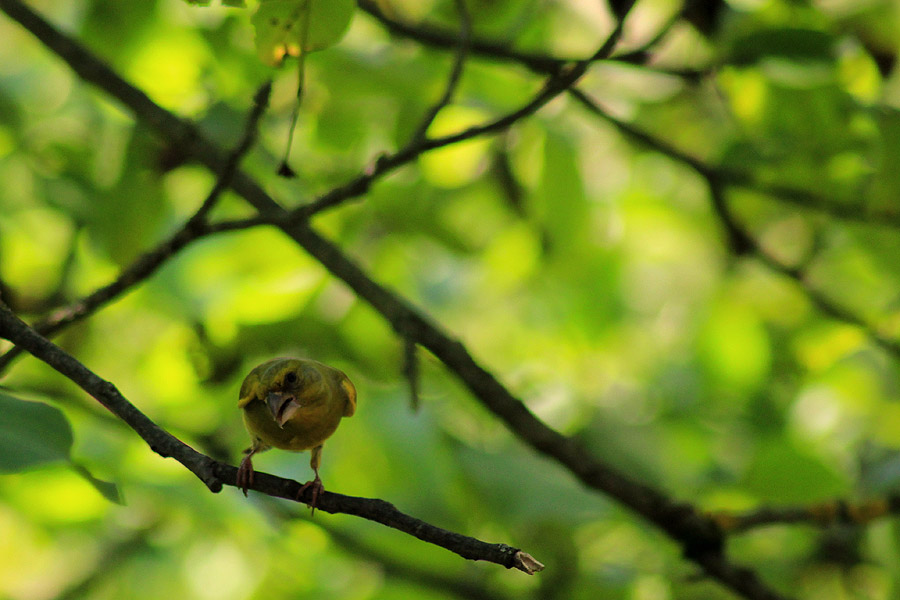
point(789, 43)
point(784, 472)
point(560, 196)
point(107, 489)
point(283, 27)
point(31, 434)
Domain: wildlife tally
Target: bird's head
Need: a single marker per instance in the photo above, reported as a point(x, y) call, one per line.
point(294, 386)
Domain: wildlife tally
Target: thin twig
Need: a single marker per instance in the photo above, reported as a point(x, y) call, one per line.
point(216, 474)
point(502, 50)
point(459, 61)
point(284, 168)
point(251, 130)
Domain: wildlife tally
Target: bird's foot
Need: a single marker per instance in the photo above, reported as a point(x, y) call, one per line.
point(245, 474)
point(317, 488)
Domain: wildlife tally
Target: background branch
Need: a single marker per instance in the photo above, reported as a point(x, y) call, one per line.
point(795, 196)
point(821, 514)
point(440, 38)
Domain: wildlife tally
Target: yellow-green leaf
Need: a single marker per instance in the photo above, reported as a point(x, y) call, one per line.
point(284, 27)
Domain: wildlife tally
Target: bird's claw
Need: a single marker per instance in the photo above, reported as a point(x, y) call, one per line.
point(317, 488)
point(244, 477)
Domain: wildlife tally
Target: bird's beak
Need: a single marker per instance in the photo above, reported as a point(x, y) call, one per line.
point(283, 406)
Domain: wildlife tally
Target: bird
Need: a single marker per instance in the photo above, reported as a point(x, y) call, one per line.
point(293, 404)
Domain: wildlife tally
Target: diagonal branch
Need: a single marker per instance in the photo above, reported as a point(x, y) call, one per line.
point(216, 474)
point(698, 536)
point(441, 38)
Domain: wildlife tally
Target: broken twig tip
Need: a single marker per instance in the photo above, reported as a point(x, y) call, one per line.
point(526, 562)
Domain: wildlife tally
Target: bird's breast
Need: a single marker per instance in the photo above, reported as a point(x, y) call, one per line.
point(308, 428)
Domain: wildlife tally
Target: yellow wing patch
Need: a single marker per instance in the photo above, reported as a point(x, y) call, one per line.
point(350, 391)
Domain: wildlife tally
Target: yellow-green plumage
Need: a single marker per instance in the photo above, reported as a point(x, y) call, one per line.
point(293, 404)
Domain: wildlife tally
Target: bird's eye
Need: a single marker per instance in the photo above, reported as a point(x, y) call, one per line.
point(290, 378)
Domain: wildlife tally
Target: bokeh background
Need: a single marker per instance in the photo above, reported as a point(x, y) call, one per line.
point(590, 272)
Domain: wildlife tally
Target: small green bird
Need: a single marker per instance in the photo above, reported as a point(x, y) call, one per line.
point(293, 404)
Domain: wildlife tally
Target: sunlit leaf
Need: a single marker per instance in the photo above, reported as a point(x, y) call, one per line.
point(457, 164)
point(734, 346)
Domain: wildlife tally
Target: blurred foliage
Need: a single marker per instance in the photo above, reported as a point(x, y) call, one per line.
point(590, 273)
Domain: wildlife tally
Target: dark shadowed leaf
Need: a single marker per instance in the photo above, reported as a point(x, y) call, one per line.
point(31, 434)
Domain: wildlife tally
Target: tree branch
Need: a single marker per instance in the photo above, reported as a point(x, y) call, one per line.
point(440, 38)
point(698, 536)
point(214, 474)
